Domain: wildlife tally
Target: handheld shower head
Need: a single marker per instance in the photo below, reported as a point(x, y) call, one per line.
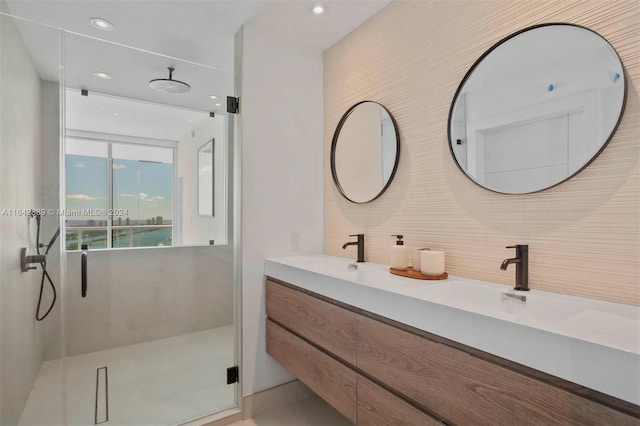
point(53, 240)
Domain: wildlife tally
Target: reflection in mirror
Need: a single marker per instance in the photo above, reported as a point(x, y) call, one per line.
point(206, 179)
point(365, 152)
point(537, 108)
point(133, 160)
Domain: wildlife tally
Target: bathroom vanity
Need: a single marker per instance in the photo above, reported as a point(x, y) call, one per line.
point(384, 349)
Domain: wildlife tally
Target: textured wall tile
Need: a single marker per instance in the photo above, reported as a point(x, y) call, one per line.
point(584, 234)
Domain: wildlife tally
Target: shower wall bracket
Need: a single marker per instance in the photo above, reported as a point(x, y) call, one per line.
point(25, 260)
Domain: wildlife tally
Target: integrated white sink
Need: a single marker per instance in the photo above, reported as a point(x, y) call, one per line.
point(490, 300)
point(586, 341)
point(606, 323)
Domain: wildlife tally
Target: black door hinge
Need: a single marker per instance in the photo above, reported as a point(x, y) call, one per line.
point(232, 375)
point(233, 105)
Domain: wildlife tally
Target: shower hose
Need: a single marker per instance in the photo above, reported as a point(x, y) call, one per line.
point(45, 274)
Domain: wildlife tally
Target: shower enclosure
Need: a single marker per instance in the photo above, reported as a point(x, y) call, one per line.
point(136, 319)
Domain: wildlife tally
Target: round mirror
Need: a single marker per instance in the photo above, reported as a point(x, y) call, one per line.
point(537, 108)
point(365, 152)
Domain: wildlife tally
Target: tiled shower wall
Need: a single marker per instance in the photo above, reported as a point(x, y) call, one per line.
point(20, 152)
point(140, 295)
point(583, 235)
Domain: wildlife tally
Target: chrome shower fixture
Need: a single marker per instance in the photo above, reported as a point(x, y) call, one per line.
point(169, 85)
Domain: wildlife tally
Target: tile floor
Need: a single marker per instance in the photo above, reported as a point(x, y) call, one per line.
point(167, 381)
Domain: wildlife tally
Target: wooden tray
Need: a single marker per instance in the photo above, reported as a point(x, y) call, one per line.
point(410, 273)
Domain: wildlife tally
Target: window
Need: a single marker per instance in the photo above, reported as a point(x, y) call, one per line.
point(118, 194)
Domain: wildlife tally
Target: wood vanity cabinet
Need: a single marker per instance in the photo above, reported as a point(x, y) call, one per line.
point(377, 372)
point(464, 389)
point(328, 326)
point(377, 406)
point(330, 379)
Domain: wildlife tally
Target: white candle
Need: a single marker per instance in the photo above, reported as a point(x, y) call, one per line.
point(432, 262)
point(415, 255)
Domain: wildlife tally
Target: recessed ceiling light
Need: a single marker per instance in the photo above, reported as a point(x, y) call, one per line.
point(102, 75)
point(116, 114)
point(213, 97)
point(101, 24)
point(217, 104)
point(318, 9)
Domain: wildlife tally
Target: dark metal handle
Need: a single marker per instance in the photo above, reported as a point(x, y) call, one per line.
point(513, 246)
point(83, 272)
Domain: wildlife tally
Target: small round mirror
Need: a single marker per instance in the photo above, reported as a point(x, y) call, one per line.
point(365, 152)
point(537, 108)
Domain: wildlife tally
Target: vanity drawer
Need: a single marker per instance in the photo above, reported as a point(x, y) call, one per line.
point(463, 389)
point(326, 325)
point(330, 379)
point(379, 407)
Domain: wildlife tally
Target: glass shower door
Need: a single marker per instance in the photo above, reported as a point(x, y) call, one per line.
point(150, 306)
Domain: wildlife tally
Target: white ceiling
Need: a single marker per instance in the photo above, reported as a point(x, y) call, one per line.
point(291, 20)
point(117, 116)
point(198, 32)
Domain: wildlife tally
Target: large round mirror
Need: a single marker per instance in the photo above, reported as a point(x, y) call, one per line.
point(537, 108)
point(365, 152)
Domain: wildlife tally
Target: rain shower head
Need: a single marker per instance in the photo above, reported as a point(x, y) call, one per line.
point(169, 85)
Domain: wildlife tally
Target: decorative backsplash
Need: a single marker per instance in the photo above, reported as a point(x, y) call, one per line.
point(583, 235)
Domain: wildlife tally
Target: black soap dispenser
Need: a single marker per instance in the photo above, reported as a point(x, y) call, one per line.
point(399, 258)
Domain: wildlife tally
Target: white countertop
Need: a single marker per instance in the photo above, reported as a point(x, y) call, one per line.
point(590, 342)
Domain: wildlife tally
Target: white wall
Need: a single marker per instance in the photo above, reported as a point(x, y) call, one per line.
point(20, 335)
point(282, 178)
point(196, 229)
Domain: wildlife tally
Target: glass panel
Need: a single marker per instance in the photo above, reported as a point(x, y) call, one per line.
point(157, 321)
point(31, 363)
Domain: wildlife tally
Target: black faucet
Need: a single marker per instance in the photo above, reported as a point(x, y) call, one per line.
point(522, 266)
point(359, 243)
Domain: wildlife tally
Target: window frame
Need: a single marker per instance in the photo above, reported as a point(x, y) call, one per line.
point(109, 140)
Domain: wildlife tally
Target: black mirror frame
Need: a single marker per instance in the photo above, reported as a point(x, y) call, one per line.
point(495, 46)
point(334, 144)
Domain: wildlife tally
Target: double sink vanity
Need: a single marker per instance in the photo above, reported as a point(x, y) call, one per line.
point(384, 349)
